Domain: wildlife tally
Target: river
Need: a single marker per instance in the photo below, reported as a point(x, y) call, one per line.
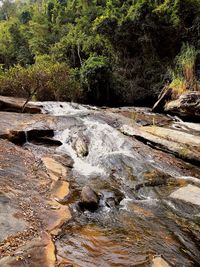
point(146, 222)
point(138, 218)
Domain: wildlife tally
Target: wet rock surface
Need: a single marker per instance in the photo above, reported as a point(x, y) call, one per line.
point(144, 167)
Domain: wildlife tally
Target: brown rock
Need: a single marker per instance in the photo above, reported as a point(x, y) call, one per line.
point(89, 199)
point(159, 262)
point(38, 252)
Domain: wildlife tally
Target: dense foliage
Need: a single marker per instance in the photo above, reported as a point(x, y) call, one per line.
point(99, 51)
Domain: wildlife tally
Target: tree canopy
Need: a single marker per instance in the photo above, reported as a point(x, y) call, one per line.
point(119, 51)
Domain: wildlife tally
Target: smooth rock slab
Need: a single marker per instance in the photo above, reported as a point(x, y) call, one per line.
point(16, 104)
point(189, 193)
point(9, 224)
point(27, 204)
point(183, 145)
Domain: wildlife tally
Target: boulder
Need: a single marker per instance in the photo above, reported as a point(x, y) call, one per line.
point(187, 106)
point(89, 199)
point(81, 147)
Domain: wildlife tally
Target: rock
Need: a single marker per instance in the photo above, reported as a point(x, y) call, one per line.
point(89, 199)
point(159, 262)
point(182, 145)
point(189, 193)
point(41, 136)
point(111, 202)
point(27, 198)
point(39, 128)
point(37, 252)
point(164, 96)
point(9, 222)
point(128, 130)
point(81, 147)
point(174, 135)
point(66, 199)
point(187, 105)
point(55, 170)
point(112, 198)
point(16, 104)
point(65, 160)
point(158, 181)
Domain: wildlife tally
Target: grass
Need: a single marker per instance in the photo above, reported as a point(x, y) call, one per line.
point(187, 57)
point(183, 76)
point(186, 60)
point(178, 85)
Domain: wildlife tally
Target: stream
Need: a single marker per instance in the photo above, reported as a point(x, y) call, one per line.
point(143, 166)
point(145, 222)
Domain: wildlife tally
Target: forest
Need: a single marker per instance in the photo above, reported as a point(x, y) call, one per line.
point(102, 52)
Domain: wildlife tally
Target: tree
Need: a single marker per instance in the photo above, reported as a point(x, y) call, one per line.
point(96, 77)
point(25, 17)
point(20, 47)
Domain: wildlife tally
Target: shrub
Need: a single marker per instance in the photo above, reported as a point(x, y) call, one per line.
point(45, 80)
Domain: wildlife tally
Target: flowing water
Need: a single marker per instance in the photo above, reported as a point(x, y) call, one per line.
point(145, 222)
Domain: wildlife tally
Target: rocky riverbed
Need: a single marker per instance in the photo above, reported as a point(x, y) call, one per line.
point(143, 172)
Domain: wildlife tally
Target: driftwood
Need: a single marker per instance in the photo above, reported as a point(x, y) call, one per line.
point(165, 95)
